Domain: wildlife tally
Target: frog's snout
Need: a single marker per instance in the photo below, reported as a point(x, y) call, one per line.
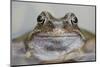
point(58, 31)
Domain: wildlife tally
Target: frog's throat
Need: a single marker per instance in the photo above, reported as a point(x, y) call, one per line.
point(42, 54)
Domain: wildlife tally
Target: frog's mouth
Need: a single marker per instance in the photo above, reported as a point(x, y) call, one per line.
point(60, 33)
point(57, 42)
point(49, 34)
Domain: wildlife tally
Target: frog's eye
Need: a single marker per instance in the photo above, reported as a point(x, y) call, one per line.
point(40, 19)
point(74, 20)
point(70, 18)
point(44, 17)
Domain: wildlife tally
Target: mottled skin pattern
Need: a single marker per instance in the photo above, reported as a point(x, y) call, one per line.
point(69, 24)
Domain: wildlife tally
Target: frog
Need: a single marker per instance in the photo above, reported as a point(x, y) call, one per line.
point(56, 40)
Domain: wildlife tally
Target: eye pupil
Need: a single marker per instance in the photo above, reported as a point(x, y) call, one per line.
point(39, 19)
point(75, 20)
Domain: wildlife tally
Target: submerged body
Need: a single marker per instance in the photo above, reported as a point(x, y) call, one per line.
point(57, 40)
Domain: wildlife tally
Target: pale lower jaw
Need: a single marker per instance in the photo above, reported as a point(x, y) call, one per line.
point(50, 48)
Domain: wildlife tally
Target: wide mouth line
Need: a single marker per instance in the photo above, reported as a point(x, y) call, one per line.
point(57, 36)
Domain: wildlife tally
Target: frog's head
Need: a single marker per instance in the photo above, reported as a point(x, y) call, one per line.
point(56, 35)
point(58, 26)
